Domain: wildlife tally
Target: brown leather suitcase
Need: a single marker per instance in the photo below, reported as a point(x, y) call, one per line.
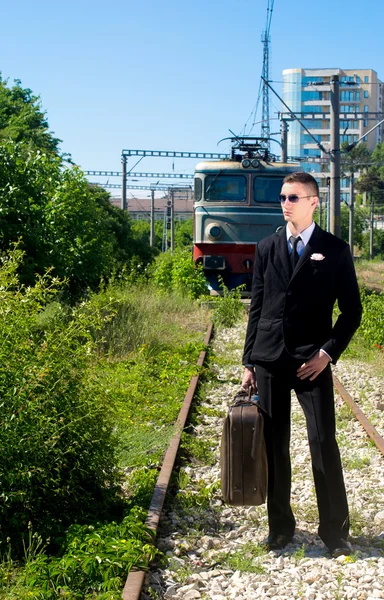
point(243, 458)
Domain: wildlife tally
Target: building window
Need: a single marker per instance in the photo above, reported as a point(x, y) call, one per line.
point(347, 96)
point(315, 123)
point(312, 109)
point(357, 78)
point(348, 108)
point(312, 95)
point(311, 80)
point(366, 94)
point(307, 139)
point(348, 124)
point(366, 107)
point(358, 96)
point(347, 80)
point(366, 79)
point(348, 138)
point(311, 152)
point(365, 122)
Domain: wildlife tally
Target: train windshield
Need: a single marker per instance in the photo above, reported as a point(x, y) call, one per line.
point(225, 188)
point(267, 189)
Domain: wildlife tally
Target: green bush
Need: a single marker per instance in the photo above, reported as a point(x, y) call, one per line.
point(176, 271)
point(372, 324)
point(62, 221)
point(93, 562)
point(56, 427)
point(85, 391)
point(227, 309)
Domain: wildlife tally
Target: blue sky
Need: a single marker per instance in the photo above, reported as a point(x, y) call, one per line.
point(172, 75)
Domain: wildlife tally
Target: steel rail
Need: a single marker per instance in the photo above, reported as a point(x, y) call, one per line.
point(360, 416)
point(135, 579)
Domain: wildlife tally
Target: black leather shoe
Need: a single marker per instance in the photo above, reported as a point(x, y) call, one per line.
point(277, 541)
point(340, 548)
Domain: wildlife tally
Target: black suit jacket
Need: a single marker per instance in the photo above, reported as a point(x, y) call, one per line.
point(294, 311)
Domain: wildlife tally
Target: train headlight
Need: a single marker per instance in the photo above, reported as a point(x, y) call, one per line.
point(255, 163)
point(214, 232)
point(246, 163)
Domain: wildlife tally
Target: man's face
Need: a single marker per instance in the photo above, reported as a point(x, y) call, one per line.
point(301, 211)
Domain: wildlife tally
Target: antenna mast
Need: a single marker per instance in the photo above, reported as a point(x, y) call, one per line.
point(265, 38)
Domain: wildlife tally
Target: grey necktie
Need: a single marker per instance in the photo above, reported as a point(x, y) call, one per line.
point(294, 254)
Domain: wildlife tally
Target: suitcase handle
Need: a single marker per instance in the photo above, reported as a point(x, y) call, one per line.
point(245, 399)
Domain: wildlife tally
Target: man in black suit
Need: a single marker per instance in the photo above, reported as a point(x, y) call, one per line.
point(299, 274)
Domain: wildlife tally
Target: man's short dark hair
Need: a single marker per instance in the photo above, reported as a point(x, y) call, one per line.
point(305, 179)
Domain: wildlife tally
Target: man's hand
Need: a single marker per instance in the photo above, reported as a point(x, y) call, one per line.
point(249, 380)
point(313, 367)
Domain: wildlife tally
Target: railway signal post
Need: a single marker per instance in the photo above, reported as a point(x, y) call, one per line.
point(335, 225)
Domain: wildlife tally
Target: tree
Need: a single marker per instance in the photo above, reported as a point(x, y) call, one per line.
point(23, 120)
point(378, 161)
point(61, 220)
point(184, 233)
point(371, 183)
point(378, 244)
point(361, 218)
point(121, 227)
point(140, 232)
point(355, 160)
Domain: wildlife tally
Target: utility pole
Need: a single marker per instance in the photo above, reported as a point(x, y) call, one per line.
point(168, 217)
point(351, 210)
point(371, 224)
point(165, 231)
point(172, 222)
point(335, 225)
point(124, 183)
point(284, 134)
point(152, 225)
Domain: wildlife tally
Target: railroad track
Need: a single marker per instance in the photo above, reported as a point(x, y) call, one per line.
point(208, 544)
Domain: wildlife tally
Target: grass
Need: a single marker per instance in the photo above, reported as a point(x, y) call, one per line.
point(244, 559)
point(200, 496)
point(359, 349)
point(195, 449)
point(145, 354)
point(182, 571)
point(307, 512)
point(208, 411)
point(299, 553)
point(370, 274)
point(356, 462)
point(358, 523)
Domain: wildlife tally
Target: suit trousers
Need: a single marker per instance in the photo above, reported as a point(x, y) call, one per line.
point(275, 381)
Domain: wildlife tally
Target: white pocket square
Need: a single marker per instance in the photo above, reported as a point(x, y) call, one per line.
point(317, 256)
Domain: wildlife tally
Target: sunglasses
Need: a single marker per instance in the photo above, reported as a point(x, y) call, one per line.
point(292, 198)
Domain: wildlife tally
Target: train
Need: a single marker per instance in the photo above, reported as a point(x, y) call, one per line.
point(236, 204)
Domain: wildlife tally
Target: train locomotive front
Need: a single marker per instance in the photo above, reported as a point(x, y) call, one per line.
point(236, 205)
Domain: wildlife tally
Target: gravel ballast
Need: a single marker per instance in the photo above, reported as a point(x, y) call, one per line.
point(212, 551)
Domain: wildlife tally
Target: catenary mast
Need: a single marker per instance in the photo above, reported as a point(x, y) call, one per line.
point(266, 39)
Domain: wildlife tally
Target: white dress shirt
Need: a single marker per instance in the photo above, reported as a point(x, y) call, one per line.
point(304, 235)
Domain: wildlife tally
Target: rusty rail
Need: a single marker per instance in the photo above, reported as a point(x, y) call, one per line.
point(135, 579)
point(360, 416)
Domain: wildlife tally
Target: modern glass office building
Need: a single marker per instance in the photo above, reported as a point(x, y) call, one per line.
point(307, 93)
